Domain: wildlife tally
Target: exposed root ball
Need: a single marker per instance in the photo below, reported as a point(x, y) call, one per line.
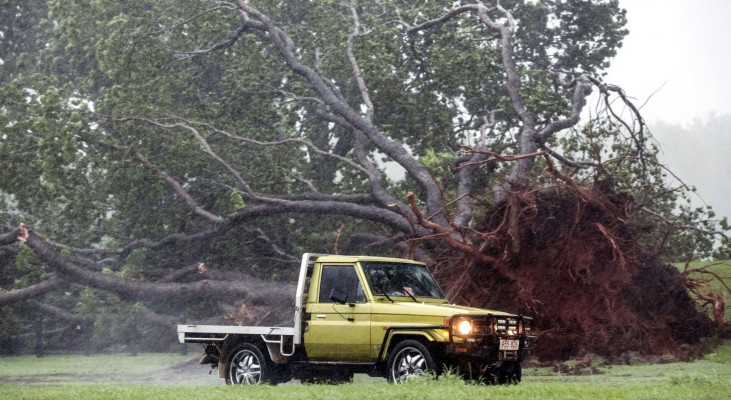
point(570, 261)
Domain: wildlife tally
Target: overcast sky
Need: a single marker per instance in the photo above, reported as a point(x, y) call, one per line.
point(678, 55)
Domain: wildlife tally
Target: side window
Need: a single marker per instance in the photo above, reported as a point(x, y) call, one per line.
point(340, 282)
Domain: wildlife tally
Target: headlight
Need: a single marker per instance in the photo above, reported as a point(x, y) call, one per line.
point(464, 327)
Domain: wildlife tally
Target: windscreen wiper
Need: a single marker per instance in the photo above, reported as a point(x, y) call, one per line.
point(408, 292)
point(383, 292)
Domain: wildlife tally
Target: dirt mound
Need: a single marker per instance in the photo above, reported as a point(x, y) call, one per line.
point(568, 258)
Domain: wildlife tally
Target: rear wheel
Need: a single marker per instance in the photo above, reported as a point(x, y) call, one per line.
point(247, 365)
point(408, 359)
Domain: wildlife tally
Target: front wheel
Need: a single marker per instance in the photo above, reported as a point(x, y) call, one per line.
point(247, 366)
point(408, 359)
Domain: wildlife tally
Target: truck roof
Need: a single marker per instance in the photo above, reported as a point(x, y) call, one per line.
point(351, 259)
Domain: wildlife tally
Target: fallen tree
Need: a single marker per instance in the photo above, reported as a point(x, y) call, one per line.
point(196, 197)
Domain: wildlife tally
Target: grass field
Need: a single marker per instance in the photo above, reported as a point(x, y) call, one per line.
point(75, 365)
point(119, 377)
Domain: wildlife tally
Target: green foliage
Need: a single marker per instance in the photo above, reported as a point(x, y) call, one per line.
point(135, 263)
point(10, 325)
point(136, 58)
point(113, 320)
point(89, 303)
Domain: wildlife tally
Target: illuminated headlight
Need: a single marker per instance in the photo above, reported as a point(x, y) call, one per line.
point(464, 327)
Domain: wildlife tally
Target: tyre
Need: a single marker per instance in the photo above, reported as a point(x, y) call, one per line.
point(408, 359)
point(247, 365)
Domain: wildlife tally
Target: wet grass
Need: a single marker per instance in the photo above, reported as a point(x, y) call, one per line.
point(155, 368)
point(709, 378)
point(76, 365)
point(699, 386)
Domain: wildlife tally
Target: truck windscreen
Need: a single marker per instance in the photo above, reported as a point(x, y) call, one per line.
point(400, 279)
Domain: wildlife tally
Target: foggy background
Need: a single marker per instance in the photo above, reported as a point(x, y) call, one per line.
point(676, 59)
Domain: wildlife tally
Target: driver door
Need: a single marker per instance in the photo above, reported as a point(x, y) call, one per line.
point(338, 324)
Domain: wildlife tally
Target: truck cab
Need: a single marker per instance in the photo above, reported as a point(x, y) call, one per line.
point(381, 316)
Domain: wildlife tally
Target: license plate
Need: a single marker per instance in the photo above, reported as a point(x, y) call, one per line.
point(509, 344)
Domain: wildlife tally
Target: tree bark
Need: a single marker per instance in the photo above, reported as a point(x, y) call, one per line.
point(30, 292)
point(250, 288)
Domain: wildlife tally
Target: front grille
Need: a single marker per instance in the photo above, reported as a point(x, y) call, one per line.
point(491, 325)
point(506, 326)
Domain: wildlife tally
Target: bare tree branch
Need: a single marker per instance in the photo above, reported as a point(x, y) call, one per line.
point(446, 234)
point(58, 313)
point(219, 6)
point(357, 73)
point(307, 143)
point(275, 247)
point(229, 42)
point(442, 19)
point(466, 174)
point(10, 237)
point(29, 292)
point(251, 288)
point(178, 274)
point(685, 226)
point(178, 189)
point(582, 88)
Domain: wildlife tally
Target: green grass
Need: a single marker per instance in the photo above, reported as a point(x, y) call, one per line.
point(709, 378)
point(681, 388)
point(101, 364)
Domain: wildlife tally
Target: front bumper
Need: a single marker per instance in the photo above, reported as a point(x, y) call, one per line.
point(488, 349)
point(491, 338)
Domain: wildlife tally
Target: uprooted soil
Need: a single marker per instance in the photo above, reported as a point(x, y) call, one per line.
point(568, 258)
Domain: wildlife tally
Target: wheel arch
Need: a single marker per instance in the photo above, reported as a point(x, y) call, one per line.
point(231, 343)
point(234, 341)
point(428, 336)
